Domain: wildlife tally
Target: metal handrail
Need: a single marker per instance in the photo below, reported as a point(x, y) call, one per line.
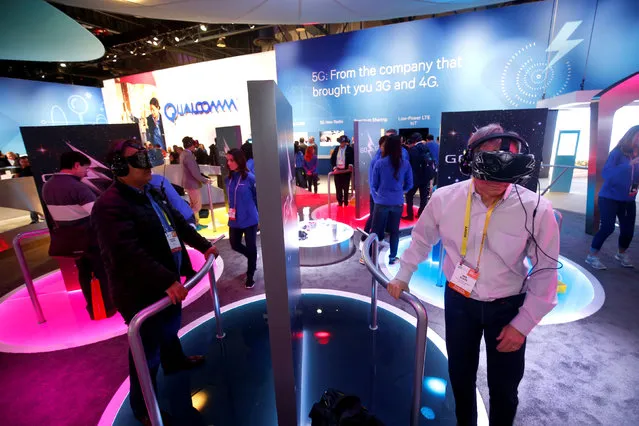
point(350, 186)
point(135, 340)
point(22, 261)
point(422, 321)
point(555, 180)
point(208, 189)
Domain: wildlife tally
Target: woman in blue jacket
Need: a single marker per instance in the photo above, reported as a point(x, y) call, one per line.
point(617, 198)
point(310, 168)
point(243, 217)
point(392, 177)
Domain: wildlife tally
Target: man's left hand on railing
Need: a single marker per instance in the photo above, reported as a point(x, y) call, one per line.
point(213, 251)
point(395, 288)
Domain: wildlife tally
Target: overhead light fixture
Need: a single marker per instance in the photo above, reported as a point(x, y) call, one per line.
point(131, 52)
point(177, 39)
point(150, 42)
point(143, 53)
point(42, 76)
point(203, 27)
point(155, 43)
point(115, 56)
point(197, 39)
point(300, 29)
point(63, 65)
point(221, 42)
point(155, 39)
point(251, 26)
point(115, 60)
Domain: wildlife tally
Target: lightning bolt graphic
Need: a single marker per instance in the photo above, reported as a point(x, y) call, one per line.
point(561, 44)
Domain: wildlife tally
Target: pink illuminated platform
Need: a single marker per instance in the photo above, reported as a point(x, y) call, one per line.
point(68, 324)
point(347, 215)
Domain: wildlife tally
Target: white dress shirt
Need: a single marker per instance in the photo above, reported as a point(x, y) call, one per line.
point(502, 269)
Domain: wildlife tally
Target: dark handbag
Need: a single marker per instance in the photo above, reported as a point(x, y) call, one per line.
point(338, 409)
point(70, 241)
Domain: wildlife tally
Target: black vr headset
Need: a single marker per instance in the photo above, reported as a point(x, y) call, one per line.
point(498, 166)
point(143, 159)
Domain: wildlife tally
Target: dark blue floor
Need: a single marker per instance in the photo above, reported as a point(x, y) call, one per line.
point(337, 351)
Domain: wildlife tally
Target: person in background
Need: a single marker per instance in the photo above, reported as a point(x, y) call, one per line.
point(422, 165)
point(311, 142)
point(142, 240)
point(12, 158)
point(25, 171)
point(174, 157)
point(392, 177)
point(310, 169)
point(201, 157)
point(303, 146)
point(3, 161)
point(501, 299)
point(155, 128)
point(243, 216)
point(433, 147)
point(164, 186)
point(300, 177)
point(617, 199)
point(192, 179)
point(342, 160)
point(371, 167)
point(247, 150)
point(70, 203)
point(158, 146)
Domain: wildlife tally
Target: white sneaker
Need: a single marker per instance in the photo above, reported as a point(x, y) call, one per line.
point(624, 260)
point(595, 262)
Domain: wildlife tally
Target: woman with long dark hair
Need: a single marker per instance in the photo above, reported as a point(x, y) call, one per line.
point(243, 217)
point(310, 167)
point(617, 199)
point(392, 177)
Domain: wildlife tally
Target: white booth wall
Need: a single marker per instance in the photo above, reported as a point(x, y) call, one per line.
point(220, 80)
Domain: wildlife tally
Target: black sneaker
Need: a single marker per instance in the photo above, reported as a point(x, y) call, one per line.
point(250, 282)
point(393, 260)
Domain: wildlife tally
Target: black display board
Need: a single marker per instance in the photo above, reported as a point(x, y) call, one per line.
point(457, 127)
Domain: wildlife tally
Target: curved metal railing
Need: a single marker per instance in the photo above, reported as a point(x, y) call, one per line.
point(350, 185)
point(135, 340)
point(371, 245)
point(26, 274)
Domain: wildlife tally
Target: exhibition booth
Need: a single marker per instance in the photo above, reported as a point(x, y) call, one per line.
point(292, 343)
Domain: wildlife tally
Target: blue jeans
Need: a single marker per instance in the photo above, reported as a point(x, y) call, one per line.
point(161, 346)
point(388, 217)
point(467, 320)
point(626, 211)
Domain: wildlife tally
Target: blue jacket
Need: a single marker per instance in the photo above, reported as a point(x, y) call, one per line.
point(371, 167)
point(245, 204)
point(433, 147)
point(299, 160)
point(617, 174)
point(310, 167)
point(250, 164)
point(174, 198)
point(387, 190)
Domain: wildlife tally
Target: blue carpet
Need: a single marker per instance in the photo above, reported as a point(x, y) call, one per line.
point(337, 351)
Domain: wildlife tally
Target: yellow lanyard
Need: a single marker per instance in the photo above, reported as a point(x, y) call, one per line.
point(489, 214)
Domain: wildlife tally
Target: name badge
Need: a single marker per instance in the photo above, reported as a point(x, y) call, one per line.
point(231, 214)
point(174, 241)
point(464, 279)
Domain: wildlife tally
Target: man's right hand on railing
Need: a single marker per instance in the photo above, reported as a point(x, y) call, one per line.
point(177, 292)
point(395, 288)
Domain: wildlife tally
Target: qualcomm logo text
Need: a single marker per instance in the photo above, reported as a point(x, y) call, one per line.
point(172, 112)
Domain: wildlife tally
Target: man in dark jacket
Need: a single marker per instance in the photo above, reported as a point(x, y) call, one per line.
point(141, 239)
point(421, 162)
point(155, 128)
point(342, 160)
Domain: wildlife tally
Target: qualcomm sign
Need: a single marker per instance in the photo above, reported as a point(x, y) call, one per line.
point(172, 112)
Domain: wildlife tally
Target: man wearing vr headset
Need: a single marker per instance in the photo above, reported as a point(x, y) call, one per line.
point(486, 227)
point(142, 241)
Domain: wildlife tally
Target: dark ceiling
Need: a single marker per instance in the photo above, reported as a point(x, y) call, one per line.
point(135, 44)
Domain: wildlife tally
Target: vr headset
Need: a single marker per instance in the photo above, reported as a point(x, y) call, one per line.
point(498, 166)
point(142, 159)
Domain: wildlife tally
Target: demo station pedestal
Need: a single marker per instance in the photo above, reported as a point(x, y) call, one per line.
point(325, 241)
